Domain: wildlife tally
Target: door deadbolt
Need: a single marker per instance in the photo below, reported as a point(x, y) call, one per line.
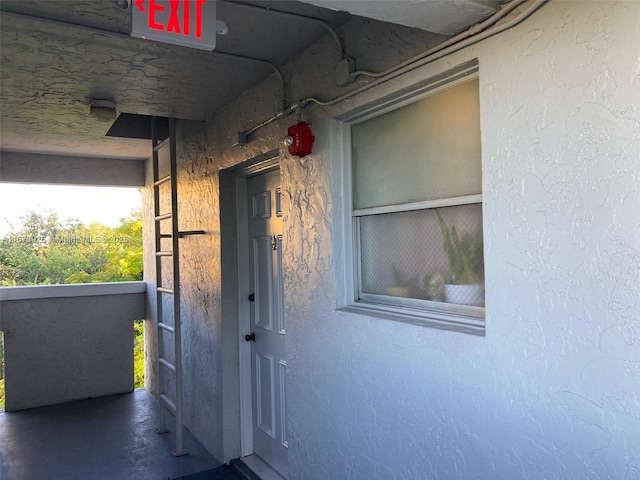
point(252, 297)
point(250, 338)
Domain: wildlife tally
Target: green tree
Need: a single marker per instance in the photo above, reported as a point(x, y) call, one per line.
point(124, 255)
point(45, 251)
point(30, 256)
point(138, 354)
point(2, 371)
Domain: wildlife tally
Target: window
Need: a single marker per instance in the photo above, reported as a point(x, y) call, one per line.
point(416, 209)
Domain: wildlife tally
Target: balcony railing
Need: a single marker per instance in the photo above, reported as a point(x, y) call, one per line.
point(68, 342)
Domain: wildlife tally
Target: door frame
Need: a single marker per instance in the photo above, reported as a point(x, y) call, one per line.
point(262, 164)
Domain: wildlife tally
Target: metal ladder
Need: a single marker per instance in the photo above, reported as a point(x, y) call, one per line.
point(168, 320)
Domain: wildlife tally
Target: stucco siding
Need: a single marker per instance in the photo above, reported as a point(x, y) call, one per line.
point(61, 347)
point(552, 390)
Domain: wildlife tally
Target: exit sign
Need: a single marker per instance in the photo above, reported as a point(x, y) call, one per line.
point(190, 23)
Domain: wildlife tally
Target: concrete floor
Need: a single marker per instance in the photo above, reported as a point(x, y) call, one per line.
point(108, 438)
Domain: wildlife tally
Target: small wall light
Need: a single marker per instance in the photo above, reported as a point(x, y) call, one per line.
point(103, 110)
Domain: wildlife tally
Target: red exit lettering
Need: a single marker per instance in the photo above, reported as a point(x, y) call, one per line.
point(178, 20)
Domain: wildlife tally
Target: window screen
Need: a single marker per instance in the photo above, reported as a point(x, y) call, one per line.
point(417, 212)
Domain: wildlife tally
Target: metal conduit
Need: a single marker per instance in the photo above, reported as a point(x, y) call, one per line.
point(469, 37)
point(265, 62)
point(473, 30)
point(431, 56)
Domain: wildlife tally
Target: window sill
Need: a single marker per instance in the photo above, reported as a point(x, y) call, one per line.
point(469, 324)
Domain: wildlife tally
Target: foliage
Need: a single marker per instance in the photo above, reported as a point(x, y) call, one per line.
point(1, 371)
point(138, 354)
point(465, 255)
point(45, 251)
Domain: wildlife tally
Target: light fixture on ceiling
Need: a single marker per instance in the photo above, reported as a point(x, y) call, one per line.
point(123, 4)
point(103, 110)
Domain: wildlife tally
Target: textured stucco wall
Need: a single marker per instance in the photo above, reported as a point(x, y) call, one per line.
point(63, 349)
point(210, 331)
point(552, 391)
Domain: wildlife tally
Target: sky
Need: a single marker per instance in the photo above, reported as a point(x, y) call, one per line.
point(106, 205)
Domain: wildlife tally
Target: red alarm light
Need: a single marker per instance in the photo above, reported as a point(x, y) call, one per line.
point(300, 139)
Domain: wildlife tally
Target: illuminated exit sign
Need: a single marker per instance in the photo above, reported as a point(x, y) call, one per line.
point(190, 23)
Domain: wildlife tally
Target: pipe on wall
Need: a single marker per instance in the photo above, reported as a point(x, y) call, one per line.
point(473, 35)
point(427, 57)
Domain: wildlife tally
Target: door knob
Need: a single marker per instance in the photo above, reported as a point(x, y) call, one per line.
point(252, 297)
point(250, 338)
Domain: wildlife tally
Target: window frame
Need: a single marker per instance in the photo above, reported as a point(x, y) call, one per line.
point(462, 318)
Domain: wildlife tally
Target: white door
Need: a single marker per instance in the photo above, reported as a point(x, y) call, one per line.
point(268, 365)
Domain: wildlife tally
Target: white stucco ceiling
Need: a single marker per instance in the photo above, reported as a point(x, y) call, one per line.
point(56, 56)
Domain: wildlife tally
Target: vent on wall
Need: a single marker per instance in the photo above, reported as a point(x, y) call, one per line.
point(132, 125)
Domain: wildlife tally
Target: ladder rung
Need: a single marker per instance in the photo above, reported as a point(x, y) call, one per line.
point(186, 233)
point(166, 235)
point(162, 180)
point(166, 327)
point(168, 403)
point(164, 216)
point(170, 366)
point(165, 290)
point(164, 253)
point(162, 144)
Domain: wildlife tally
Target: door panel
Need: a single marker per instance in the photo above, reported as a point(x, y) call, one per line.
point(267, 319)
point(283, 413)
point(265, 395)
point(263, 278)
point(261, 202)
point(278, 296)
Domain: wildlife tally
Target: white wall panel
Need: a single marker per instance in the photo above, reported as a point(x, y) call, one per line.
point(371, 398)
point(60, 347)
